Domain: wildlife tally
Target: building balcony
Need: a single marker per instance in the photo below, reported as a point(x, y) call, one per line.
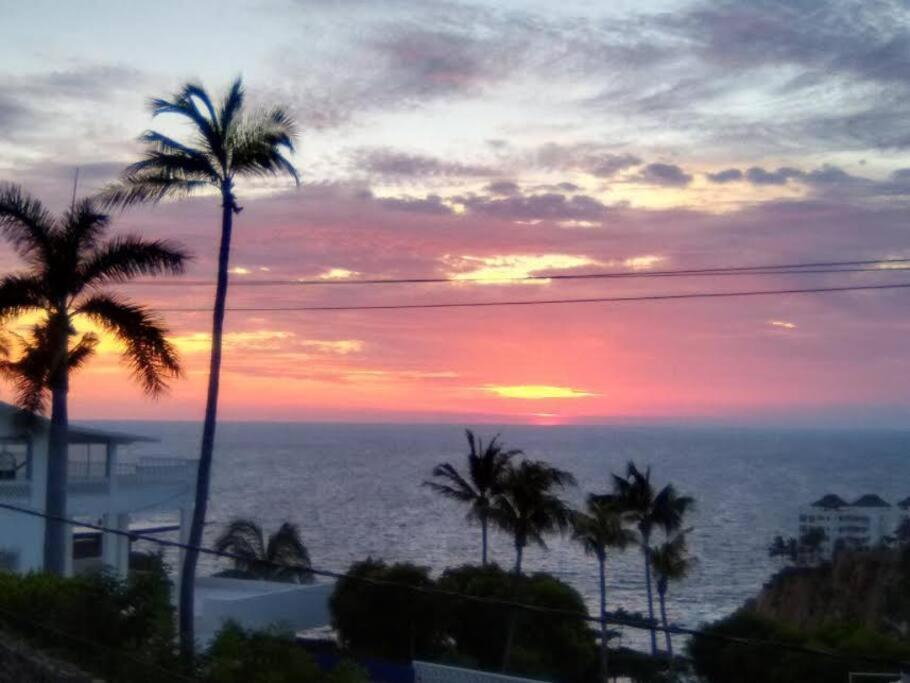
point(88, 479)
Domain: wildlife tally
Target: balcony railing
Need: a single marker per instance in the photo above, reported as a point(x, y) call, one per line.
point(15, 488)
point(156, 469)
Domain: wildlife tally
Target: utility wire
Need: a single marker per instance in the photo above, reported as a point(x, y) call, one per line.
point(546, 302)
point(874, 265)
point(494, 602)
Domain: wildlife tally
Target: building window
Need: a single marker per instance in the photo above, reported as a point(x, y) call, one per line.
point(15, 463)
point(87, 461)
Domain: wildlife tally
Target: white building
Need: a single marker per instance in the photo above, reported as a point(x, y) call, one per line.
point(106, 485)
point(110, 486)
point(866, 522)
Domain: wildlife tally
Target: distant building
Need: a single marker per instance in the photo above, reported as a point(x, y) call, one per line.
point(866, 522)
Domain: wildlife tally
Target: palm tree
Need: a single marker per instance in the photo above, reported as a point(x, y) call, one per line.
point(648, 510)
point(671, 563)
point(283, 557)
point(599, 528)
point(528, 507)
point(227, 144)
point(68, 262)
point(486, 467)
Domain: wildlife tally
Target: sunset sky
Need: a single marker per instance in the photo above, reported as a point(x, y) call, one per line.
point(499, 139)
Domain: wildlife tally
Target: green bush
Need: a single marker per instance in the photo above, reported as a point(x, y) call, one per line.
point(240, 656)
point(544, 645)
point(122, 630)
point(383, 621)
point(719, 661)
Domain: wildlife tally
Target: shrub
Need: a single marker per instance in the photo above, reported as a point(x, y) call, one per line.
point(718, 661)
point(240, 656)
point(383, 621)
point(122, 630)
point(544, 645)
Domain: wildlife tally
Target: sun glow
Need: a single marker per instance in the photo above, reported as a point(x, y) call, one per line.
point(536, 392)
point(508, 268)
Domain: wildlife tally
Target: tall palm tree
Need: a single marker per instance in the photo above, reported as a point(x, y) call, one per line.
point(68, 263)
point(600, 527)
point(528, 506)
point(226, 144)
point(671, 563)
point(283, 557)
point(648, 510)
point(486, 466)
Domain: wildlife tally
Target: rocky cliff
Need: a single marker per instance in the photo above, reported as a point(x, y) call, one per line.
point(867, 587)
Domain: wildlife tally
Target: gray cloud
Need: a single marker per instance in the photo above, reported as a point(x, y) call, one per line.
point(389, 162)
point(547, 206)
point(503, 187)
point(728, 175)
point(759, 176)
point(666, 175)
point(431, 204)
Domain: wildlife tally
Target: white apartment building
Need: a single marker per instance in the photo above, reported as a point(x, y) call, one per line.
point(866, 522)
point(107, 485)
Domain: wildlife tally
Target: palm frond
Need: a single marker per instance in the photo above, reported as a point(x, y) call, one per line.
point(25, 222)
point(243, 538)
point(20, 294)
point(83, 226)
point(152, 357)
point(231, 106)
point(184, 104)
point(286, 548)
point(124, 258)
point(147, 188)
point(256, 145)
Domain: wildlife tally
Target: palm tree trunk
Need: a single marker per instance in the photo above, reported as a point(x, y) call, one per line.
point(646, 551)
point(57, 462)
point(662, 597)
point(513, 616)
point(603, 620)
point(203, 476)
point(483, 536)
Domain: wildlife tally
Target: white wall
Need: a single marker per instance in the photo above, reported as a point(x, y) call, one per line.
point(260, 605)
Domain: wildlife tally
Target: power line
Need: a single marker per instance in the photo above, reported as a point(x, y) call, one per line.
point(493, 602)
point(868, 265)
point(547, 302)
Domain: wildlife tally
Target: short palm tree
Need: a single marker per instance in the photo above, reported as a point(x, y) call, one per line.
point(485, 469)
point(283, 557)
point(528, 507)
point(599, 528)
point(69, 261)
point(226, 144)
point(671, 563)
point(649, 510)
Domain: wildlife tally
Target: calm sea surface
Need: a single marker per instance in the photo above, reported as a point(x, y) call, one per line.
point(355, 492)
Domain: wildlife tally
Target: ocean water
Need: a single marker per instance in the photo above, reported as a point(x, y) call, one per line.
point(355, 491)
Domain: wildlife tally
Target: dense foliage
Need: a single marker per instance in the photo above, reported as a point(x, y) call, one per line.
point(383, 620)
point(121, 630)
point(544, 645)
point(398, 623)
point(728, 662)
point(240, 656)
